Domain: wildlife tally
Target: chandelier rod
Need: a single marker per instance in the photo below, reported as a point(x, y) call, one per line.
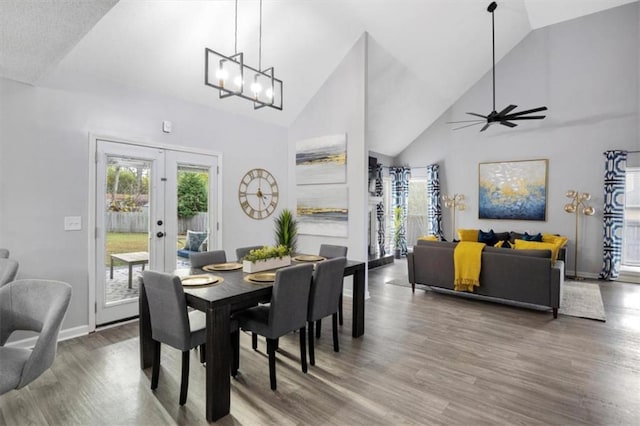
point(260, 41)
point(235, 34)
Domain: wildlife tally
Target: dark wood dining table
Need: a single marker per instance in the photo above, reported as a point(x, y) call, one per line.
point(219, 302)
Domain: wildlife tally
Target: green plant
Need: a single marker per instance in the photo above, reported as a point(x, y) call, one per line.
point(268, 253)
point(397, 226)
point(286, 230)
point(192, 194)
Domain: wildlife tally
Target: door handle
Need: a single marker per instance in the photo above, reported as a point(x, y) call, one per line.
point(160, 234)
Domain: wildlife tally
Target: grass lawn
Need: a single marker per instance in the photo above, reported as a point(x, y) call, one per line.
point(127, 242)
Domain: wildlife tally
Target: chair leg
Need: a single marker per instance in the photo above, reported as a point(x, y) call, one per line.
point(271, 350)
point(303, 348)
point(235, 349)
point(184, 383)
point(340, 310)
point(155, 369)
point(203, 354)
point(254, 341)
point(334, 320)
point(318, 328)
point(312, 353)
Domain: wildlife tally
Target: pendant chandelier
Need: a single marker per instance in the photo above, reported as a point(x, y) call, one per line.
point(232, 77)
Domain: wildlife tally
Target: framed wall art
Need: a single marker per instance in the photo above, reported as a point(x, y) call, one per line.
point(322, 160)
point(514, 190)
point(323, 210)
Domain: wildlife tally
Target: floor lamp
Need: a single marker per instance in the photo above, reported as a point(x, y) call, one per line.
point(456, 202)
point(578, 205)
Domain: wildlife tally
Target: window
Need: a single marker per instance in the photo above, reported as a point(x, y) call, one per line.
point(417, 223)
point(631, 232)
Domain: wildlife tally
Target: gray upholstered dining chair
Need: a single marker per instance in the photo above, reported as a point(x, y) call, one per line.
point(171, 324)
point(4, 253)
point(330, 251)
point(241, 252)
point(20, 310)
point(198, 260)
point(286, 312)
point(326, 288)
point(8, 271)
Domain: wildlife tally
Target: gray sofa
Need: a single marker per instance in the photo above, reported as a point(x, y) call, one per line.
point(525, 276)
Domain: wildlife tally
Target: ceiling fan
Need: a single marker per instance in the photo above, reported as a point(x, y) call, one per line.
point(504, 117)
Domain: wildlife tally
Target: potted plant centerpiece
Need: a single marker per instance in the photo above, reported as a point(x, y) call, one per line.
point(397, 234)
point(267, 258)
point(286, 230)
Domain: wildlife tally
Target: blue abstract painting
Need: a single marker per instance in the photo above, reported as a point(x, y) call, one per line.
point(515, 190)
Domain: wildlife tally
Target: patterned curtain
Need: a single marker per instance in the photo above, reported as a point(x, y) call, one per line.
point(434, 212)
point(400, 198)
point(613, 213)
point(380, 210)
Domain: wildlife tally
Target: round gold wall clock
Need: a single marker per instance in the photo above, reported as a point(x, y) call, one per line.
point(258, 194)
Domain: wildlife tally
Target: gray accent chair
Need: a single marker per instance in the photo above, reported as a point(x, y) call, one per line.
point(171, 324)
point(286, 312)
point(198, 260)
point(32, 305)
point(241, 252)
point(4, 253)
point(8, 271)
point(326, 288)
point(330, 251)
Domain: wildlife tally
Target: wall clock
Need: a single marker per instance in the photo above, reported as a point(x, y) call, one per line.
point(258, 194)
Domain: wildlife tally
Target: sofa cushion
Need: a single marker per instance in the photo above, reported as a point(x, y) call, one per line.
point(537, 237)
point(468, 234)
point(535, 245)
point(502, 236)
point(195, 240)
point(428, 238)
point(489, 238)
point(503, 244)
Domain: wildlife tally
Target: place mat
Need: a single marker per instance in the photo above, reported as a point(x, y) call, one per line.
point(231, 266)
point(203, 279)
point(308, 258)
point(262, 277)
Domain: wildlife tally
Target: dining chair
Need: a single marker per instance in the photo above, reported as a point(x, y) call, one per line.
point(326, 288)
point(286, 312)
point(30, 305)
point(330, 251)
point(171, 324)
point(241, 252)
point(198, 260)
point(8, 271)
point(4, 253)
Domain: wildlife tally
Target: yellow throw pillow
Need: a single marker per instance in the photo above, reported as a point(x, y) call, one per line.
point(554, 239)
point(468, 235)
point(535, 245)
point(428, 238)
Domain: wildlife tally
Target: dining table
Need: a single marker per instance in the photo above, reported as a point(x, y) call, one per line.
point(219, 301)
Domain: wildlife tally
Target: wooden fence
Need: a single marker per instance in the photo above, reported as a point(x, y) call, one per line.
point(139, 222)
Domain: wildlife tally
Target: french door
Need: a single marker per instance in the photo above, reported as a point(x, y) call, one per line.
point(146, 199)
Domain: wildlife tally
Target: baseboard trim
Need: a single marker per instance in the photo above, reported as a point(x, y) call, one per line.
point(69, 333)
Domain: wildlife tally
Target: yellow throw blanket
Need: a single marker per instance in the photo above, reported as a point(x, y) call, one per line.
point(467, 258)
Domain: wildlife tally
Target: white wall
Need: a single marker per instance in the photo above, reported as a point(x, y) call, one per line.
point(586, 72)
point(339, 107)
point(44, 163)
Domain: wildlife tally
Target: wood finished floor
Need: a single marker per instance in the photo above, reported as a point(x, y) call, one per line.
point(426, 358)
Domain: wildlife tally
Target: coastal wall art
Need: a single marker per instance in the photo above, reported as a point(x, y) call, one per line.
point(323, 210)
point(514, 190)
point(322, 160)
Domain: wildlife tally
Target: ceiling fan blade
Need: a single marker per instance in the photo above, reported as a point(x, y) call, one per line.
point(531, 117)
point(507, 110)
point(476, 115)
point(465, 121)
point(506, 123)
point(486, 126)
point(529, 111)
point(468, 125)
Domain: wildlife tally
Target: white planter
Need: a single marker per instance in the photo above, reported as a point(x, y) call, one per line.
point(263, 265)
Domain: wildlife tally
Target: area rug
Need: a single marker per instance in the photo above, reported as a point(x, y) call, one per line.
point(579, 299)
point(582, 299)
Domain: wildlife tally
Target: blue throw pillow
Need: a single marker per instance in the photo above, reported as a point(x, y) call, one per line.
point(195, 240)
point(489, 238)
point(537, 237)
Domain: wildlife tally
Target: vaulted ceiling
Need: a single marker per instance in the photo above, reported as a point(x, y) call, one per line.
point(423, 54)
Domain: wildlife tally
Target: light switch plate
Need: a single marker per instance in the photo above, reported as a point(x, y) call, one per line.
point(73, 223)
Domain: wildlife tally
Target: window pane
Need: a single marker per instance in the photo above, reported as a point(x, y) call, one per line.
point(417, 210)
point(631, 235)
